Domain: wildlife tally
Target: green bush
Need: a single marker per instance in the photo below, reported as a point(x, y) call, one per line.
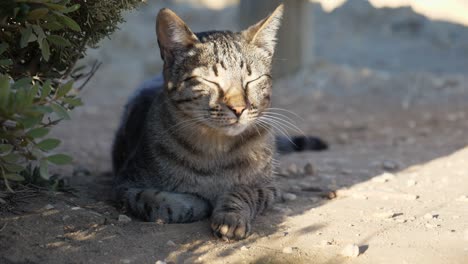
point(40, 43)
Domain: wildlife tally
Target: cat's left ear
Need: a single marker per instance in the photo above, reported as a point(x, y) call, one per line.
point(263, 34)
point(173, 34)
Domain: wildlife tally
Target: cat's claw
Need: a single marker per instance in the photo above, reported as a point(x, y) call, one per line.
point(230, 226)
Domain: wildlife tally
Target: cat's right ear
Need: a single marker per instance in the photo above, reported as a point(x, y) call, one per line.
point(173, 34)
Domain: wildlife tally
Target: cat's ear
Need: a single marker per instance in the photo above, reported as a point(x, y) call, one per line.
point(263, 34)
point(172, 32)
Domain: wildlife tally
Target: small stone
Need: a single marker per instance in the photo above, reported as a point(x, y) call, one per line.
point(384, 177)
point(287, 250)
point(390, 165)
point(170, 243)
point(314, 199)
point(76, 208)
point(125, 261)
point(411, 183)
point(289, 196)
point(124, 219)
point(244, 248)
point(160, 262)
point(49, 207)
point(309, 169)
point(430, 216)
point(292, 169)
point(351, 250)
point(65, 217)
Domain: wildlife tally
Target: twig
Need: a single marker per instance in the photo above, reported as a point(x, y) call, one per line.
point(90, 74)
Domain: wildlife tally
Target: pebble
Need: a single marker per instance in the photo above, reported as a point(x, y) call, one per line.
point(65, 217)
point(170, 243)
point(292, 169)
point(289, 196)
point(49, 207)
point(124, 218)
point(390, 165)
point(160, 262)
point(429, 225)
point(309, 169)
point(75, 208)
point(351, 250)
point(287, 250)
point(411, 183)
point(384, 177)
point(314, 199)
point(430, 216)
point(244, 248)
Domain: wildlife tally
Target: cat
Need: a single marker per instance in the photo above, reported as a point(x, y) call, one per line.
point(193, 142)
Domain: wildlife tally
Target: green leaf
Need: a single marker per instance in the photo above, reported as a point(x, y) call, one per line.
point(42, 109)
point(58, 41)
point(55, 6)
point(45, 50)
point(5, 148)
point(25, 35)
point(6, 62)
point(30, 121)
point(73, 101)
point(23, 82)
point(48, 144)
point(46, 88)
point(52, 25)
point(44, 169)
point(64, 89)
point(3, 47)
point(38, 132)
point(60, 159)
point(11, 167)
point(70, 9)
point(13, 177)
point(4, 90)
point(70, 23)
point(38, 13)
point(60, 111)
point(39, 32)
point(10, 158)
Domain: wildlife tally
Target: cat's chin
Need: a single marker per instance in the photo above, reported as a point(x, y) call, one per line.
point(235, 129)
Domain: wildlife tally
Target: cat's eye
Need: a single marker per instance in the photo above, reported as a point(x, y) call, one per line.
point(257, 79)
point(201, 79)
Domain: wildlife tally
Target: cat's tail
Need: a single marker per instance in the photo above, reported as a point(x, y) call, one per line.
point(300, 143)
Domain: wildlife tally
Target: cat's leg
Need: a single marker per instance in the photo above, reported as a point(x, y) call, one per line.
point(235, 210)
point(166, 207)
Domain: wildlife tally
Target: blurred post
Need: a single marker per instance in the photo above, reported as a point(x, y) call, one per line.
point(295, 46)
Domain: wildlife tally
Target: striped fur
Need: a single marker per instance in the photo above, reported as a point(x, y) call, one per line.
point(190, 144)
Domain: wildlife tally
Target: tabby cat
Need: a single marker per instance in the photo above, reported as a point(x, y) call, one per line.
point(192, 143)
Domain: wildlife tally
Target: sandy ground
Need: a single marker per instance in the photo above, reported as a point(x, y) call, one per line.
point(392, 103)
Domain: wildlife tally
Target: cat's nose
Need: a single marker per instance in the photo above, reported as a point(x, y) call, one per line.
point(237, 109)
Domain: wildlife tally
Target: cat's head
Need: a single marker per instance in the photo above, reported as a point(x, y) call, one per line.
point(218, 79)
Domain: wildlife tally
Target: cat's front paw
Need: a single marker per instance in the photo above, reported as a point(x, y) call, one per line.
point(230, 225)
